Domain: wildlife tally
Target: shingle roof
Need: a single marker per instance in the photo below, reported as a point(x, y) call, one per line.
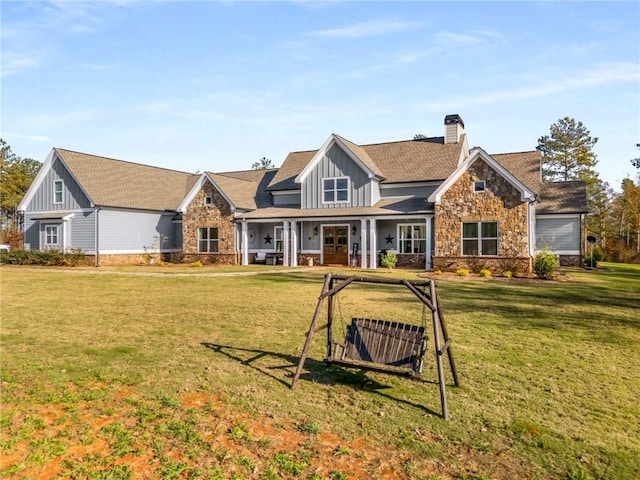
point(247, 189)
point(116, 183)
point(525, 166)
point(403, 161)
point(562, 197)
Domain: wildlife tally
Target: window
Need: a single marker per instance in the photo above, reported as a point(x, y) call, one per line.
point(208, 200)
point(480, 238)
point(57, 191)
point(335, 190)
point(51, 236)
point(412, 238)
point(278, 238)
point(207, 240)
point(479, 186)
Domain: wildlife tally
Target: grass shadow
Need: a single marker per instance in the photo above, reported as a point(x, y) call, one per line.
point(316, 372)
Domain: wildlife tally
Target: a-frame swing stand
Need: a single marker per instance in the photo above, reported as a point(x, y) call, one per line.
point(382, 345)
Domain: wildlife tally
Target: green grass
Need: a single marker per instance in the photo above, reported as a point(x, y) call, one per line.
point(549, 371)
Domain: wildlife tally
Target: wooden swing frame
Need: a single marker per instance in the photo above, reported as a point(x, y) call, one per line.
point(430, 300)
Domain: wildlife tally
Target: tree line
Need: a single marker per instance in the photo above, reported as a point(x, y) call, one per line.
point(614, 217)
point(567, 154)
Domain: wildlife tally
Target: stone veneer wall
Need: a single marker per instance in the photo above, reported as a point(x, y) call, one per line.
point(217, 214)
point(500, 202)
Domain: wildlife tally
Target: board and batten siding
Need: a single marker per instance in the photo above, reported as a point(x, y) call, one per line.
point(131, 231)
point(558, 234)
point(73, 198)
point(336, 163)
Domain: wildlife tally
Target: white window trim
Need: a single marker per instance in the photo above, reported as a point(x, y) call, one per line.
point(55, 183)
point(276, 229)
point(47, 245)
point(208, 200)
point(413, 240)
point(209, 241)
point(335, 190)
point(480, 238)
point(484, 186)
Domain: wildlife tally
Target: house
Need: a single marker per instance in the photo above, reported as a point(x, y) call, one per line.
point(434, 201)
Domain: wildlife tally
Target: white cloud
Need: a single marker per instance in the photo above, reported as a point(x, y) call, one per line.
point(33, 138)
point(367, 29)
point(600, 75)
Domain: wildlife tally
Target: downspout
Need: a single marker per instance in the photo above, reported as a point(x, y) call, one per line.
point(96, 239)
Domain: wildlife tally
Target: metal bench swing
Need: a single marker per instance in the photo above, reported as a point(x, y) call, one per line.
point(381, 345)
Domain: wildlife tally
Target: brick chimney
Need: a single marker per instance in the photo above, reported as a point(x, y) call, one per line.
point(453, 128)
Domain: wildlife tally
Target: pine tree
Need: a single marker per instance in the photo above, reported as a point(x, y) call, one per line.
point(567, 152)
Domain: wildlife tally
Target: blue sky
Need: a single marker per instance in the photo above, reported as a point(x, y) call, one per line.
point(215, 86)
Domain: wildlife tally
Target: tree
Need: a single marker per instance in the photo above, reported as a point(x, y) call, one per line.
point(567, 152)
point(16, 175)
point(263, 164)
point(636, 161)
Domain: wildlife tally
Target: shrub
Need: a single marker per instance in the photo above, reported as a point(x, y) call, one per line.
point(196, 264)
point(389, 259)
point(462, 272)
point(545, 265)
point(588, 261)
point(507, 274)
point(485, 273)
point(46, 258)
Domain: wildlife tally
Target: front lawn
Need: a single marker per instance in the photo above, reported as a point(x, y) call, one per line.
point(118, 375)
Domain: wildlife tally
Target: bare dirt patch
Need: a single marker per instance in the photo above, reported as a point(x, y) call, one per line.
point(103, 431)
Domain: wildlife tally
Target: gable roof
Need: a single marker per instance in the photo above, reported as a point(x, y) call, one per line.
point(404, 161)
point(562, 197)
point(355, 152)
point(247, 190)
point(479, 154)
point(116, 183)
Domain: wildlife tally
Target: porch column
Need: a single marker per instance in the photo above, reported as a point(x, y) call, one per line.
point(285, 243)
point(363, 243)
point(373, 244)
point(294, 244)
point(244, 244)
point(427, 247)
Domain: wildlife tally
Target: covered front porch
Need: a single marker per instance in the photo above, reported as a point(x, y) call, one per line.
point(346, 241)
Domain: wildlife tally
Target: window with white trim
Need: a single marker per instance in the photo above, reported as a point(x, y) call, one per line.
point(480, 238)
point(51, 236)
point(207, 240)
point(479, 186)
point(57, 191)
point(208, 200)
point(278, 236)
point(335, 190)
point(412, 238)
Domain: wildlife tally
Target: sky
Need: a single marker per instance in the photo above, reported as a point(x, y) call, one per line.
point(216, 86)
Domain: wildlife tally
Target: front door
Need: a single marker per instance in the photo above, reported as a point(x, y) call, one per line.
point(336, 245)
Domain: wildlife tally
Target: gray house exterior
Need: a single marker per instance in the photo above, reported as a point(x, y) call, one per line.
point(106, 208)
point(433, 201)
